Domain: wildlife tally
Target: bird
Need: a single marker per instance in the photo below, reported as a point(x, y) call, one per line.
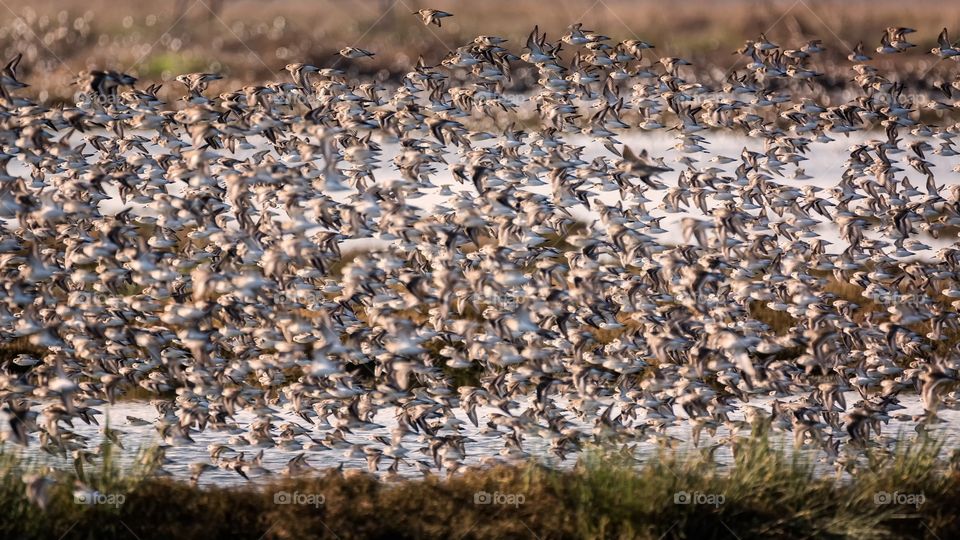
point(521, 249)
point(8, 77)
point(432, 16)
point(354, 52)
point(945, 49)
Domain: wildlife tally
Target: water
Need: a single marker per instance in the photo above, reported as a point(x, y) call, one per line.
point(482, 446)
point(825, 166)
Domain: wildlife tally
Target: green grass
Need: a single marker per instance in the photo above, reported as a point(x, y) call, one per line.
point(169, 65)
point(764, 493)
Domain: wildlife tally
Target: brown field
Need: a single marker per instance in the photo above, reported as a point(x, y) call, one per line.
point(251, 41)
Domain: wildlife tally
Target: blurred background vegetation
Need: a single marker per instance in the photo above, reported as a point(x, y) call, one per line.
point(250, 41)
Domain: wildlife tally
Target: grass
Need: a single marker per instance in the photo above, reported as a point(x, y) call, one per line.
point(764, 493)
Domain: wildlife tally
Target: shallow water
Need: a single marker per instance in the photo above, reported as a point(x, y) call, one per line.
point(484, 444)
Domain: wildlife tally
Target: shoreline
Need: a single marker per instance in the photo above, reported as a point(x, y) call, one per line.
point(906, 493)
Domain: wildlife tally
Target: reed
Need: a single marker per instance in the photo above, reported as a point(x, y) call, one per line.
point(908, 491)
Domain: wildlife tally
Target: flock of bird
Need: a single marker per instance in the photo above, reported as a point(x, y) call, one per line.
point(218, 284)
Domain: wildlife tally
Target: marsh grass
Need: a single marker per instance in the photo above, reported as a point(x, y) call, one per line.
point(766, 492)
